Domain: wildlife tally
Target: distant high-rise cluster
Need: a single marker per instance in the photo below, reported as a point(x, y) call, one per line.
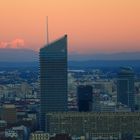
point(99, 114)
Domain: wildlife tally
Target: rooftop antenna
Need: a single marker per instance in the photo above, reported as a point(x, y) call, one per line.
point(47, 31)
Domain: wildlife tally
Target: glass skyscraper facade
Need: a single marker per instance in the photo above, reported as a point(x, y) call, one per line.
point(53, 78)
point(125, 87)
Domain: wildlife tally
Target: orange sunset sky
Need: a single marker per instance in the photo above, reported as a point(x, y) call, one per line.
point(92, 25)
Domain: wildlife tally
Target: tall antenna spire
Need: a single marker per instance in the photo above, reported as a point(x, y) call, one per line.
point(47, 31)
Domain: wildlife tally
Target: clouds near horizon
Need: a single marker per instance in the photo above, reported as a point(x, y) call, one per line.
point(91, 25)
point(16, 43)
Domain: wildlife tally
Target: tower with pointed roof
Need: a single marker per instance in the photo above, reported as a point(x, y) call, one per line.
point(53, 78)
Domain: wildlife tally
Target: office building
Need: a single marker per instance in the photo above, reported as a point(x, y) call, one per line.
point(84, 93)
point(9, 113)
point(107, 106)
point(90, 124)
point(53, 78)
point(125, 87)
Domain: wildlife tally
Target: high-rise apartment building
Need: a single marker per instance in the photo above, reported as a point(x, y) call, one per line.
point(53, 78)
point(125, 87)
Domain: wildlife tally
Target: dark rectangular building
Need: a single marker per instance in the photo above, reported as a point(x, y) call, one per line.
point(84, 93)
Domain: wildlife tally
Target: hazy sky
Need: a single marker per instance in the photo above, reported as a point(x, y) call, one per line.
point(91, 25)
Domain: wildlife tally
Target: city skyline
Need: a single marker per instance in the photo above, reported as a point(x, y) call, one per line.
point(92, 26)
point(70, 70)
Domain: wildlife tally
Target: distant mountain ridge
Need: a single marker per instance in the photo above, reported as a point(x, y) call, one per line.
point(18, 55)
point(27, 55)
point(105, 56)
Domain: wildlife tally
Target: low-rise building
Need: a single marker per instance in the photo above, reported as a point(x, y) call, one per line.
point(39, 135)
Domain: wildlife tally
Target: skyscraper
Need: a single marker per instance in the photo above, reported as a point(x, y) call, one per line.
point(125, 87)
point(84, 98)
point(53, 78)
